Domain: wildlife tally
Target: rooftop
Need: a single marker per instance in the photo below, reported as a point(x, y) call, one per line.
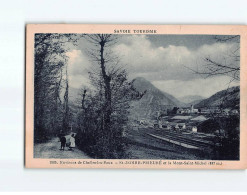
point(181, 117)
point(199, 118)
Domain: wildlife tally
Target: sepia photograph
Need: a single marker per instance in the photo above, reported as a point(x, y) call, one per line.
point(123, 96)
point(136, 96)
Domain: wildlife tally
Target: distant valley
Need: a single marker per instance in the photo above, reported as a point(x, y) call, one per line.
point(191, 99)
point(156, 100)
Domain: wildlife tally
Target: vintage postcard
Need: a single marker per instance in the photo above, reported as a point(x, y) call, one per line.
point(136, 96)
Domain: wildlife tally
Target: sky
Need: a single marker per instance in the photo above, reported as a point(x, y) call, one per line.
point(166, 61)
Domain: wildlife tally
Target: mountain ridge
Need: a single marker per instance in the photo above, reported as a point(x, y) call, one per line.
point(152, 101)
point(191, 98)
point(228, 98)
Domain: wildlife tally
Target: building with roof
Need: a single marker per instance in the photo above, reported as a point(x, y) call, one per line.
point(182, 125)
point(199, 118)
point(194, 129)
point(166, 126)
point(179, 117)
point(187, 111)
point(180, 111)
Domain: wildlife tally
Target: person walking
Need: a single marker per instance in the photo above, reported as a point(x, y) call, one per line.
point(63, 142)
point(72, 142)
point(62, 139)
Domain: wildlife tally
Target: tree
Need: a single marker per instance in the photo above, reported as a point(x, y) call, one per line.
point(103, 41)
point(174, 110)
point(49, 62)
point(104, 109)
point(66, 103)
point(227, 65)
point(227, 126)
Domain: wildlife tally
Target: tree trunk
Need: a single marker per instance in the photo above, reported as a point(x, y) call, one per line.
point(66, 105)
point(107, 82)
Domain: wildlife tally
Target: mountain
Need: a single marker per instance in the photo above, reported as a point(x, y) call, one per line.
point(152, 101)
point(229, 98)
point(191, 99)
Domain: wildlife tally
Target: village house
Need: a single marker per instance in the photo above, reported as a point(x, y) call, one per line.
point(194, 129)
point(166, 126)
point(200, 118)
point(205, 111)
point(182, 125)
point(180, 111)
point(193, 110)
point(174, 126)
point(187, 111)
point(179, 117)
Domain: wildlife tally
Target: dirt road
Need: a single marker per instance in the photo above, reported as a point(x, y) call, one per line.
point(51, 148)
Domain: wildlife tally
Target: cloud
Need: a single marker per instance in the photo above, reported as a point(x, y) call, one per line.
point(73, 56)
point(78, 62)
point(171, 62)
point(167, 67)
point(78, 81)
point(78, 66)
